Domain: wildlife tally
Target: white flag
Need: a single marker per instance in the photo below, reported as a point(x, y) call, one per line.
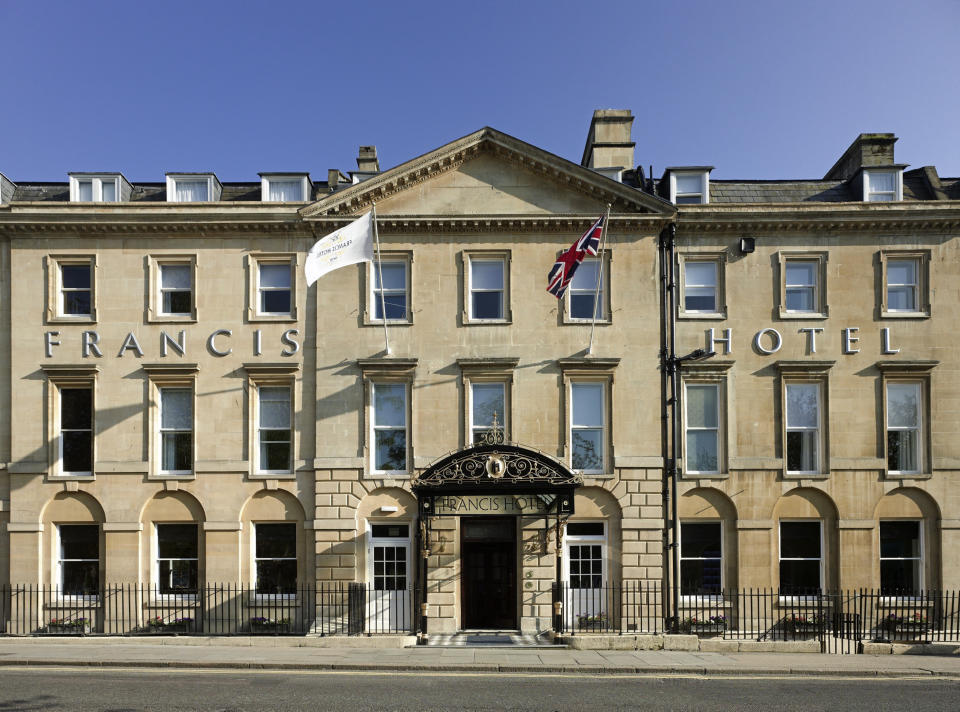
point(346, 246)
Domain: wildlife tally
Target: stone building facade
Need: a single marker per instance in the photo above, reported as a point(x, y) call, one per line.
point(182, 408)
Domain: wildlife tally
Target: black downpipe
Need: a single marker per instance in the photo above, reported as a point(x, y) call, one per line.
point(668, 361)
point(664, 423)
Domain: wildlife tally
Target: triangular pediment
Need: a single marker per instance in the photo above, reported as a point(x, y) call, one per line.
point(492, 174)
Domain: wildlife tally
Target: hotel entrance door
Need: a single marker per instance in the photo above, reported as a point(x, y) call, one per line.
point(488, 585)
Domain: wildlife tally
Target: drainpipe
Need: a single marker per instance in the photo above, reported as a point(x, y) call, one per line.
point(665, 257)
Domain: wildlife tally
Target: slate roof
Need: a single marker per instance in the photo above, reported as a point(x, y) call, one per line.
point(142, 192)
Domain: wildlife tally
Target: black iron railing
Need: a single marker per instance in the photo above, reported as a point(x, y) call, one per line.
point(330, 608)
point(838, 619)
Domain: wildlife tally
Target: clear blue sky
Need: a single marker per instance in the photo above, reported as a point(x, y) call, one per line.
point(763, 89)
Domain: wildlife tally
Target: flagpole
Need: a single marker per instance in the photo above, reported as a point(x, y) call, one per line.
point(596, 292)
point(383, 302)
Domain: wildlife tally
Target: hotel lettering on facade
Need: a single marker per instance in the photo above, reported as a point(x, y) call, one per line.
point(179, 408)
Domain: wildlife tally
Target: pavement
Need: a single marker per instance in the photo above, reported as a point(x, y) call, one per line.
point(279, 653)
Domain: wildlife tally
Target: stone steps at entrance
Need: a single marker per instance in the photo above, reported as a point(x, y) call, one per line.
point(491, 639)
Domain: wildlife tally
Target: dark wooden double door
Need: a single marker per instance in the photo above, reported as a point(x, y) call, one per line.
point(488, 547)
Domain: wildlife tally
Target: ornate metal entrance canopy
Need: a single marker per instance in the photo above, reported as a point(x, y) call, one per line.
point(497, 469)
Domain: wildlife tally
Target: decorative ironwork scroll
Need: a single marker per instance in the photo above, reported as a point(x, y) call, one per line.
point(496, 468)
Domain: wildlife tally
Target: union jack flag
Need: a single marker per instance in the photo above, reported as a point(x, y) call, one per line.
point(563, 269)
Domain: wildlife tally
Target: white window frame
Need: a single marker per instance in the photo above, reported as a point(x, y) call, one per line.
point(503, 417)
point(894, 195)
point(174, 597)
point(921, 288)
point(819, 261)
point(603, 298)
point(708, 597)
point(604, 427)
point(58, 568)
point(504, 258)
point(267, 178)
point(799, 598)
point(718, 430)
point(214, 187)
point(919, 429)
point(719, 287)
point(372, 435)
point(55, 295)
point(703, 194)
point(255, 262)
point(254, 560)
point(162, 291)
point(161, 431)
point(818, 431)
point(97, 183)
point(61, 430)
point(920, 560)
point(259, 469)
point(373, 293)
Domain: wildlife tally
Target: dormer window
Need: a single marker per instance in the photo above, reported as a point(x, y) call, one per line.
point(285, 188)
point(192, 187)
point(882, 185)
point(690, 187)
point(98, 188)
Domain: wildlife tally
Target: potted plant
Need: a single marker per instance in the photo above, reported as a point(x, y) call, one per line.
point(263, 624)
point(65, 626)
point(915, 622)
point(591, 622)
point(803, 623)
point(704, 624)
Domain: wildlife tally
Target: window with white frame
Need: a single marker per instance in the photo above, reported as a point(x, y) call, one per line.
point(176, 430)
point(76, 430)
point(392, 293)
point(702, 411)
point(904, 427)
point(587, 291)
point(76, 289)
point(801, 557)
point(701, 558)
point(175, 285)
point(803, 427)
point(882, 185)
point(178, 558)
point(285, 188)
point(274, 288)
point(274, 429)
point(700, 286)
point(275, 558)
point(588, 426)
point(389, 427)
point(487, 288)
point(903, 284)
point(901, 557)
point(192, 187)
point(94, 188)
point(800, 285)
point(79, 559)
point(487, 404)
point(689, 187)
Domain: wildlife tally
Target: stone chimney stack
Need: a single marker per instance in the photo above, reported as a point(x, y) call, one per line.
point(608, 141)
point(868, 149)
point(367, 161)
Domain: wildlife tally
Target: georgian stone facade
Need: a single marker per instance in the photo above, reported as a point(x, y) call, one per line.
point(178, 402)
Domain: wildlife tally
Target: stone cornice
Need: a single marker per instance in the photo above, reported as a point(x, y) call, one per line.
point(67, 219)
point(821, 217)
point(358, 198)
point(503, 223)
